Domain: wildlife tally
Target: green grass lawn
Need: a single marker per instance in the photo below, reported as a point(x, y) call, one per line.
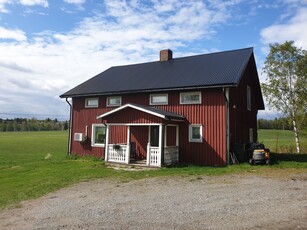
point(281, 141)
point(35, 163)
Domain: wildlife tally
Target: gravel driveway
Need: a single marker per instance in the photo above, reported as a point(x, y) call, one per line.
point(219, 202)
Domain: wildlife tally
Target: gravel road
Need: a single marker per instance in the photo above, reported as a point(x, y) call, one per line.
point(191, 202)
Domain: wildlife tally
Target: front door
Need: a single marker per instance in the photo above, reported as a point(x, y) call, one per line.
point(154, 136)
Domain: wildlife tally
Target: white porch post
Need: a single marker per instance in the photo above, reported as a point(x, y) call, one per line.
point(177, 141)
point(177, 135)
point(106, 150)
point(161, 144)
point(148, 146)
point(128, 145)
point(148, 154)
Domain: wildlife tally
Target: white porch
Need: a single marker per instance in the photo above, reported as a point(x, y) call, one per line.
point(156, 151)
point(156, 155)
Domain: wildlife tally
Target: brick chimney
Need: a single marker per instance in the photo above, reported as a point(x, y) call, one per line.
point(166, 55)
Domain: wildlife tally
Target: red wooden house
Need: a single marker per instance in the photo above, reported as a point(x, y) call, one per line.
point(190, 110)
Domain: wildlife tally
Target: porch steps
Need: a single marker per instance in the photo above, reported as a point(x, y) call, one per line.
point(132, 166)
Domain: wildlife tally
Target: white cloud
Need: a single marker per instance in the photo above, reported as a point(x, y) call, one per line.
point(3, 4)
point(51, 63)
point(294, 30)
point(75, 1)
point(43, 3)
point(15, 34)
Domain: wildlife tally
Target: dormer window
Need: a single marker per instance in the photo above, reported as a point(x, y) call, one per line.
point(158, 99)
point(91, 102)
point(114, 101)
point(190, 98)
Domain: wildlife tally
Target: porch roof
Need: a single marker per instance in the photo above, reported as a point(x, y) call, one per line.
point(150, 110)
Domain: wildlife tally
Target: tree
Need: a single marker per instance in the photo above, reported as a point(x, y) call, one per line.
point(65, 125)
point(285, 86)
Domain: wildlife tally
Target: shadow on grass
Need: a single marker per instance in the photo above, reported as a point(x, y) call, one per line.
point(276, 157)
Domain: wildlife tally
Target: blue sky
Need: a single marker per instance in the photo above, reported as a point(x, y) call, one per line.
point(47, 47)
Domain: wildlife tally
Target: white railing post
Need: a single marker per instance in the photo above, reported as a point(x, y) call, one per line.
point(148, 154)
point(128, 146)
point(161, 145)
point(106, 147)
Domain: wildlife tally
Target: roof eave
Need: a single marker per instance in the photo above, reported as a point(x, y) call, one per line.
point(148, 90)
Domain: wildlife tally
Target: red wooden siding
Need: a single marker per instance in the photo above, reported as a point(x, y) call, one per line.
point(132, 116)
point(211, 114)
point(241, 119)
point(139, 135)
point(170, 136)
point(118, 134)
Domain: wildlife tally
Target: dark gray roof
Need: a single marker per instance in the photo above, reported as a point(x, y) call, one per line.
point(200, 71)
point(152, 110)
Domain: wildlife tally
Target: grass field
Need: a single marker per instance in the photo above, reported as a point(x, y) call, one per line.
point(35, 163)
point(281, 141)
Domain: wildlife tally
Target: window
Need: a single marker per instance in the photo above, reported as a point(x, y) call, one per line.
point(98, 135)
point(91, 102)
point(158, 99)
point(195, 133)
point(249, 98)
point(114, 101)
point(190, 98)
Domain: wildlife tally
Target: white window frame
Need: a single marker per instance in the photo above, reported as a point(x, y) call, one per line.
point(191, 139)
point(158, 95)
point(190, 102)
point(114, 105)
point(91, 99)
point(248, 98)
point(94, 135)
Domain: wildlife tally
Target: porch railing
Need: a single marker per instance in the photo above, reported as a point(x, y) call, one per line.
point(153, 156)
point(171, 155)
point(117, 153)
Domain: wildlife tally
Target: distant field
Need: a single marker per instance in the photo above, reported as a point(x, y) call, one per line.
point(281, 141)
point(35, 163)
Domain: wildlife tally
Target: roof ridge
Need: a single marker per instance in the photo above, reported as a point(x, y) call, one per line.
point(217, 69)
point(196, 55)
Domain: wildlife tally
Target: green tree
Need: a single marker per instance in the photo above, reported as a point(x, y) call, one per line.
point(285, 86)
point(9, 126)
point(65, 125)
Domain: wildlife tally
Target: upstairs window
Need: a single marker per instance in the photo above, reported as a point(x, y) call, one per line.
point(91, 102)
point(195, 133)
point(114, 101)
point(98, 135)
point(158, 99)
point(190, 98)
point(249, 98)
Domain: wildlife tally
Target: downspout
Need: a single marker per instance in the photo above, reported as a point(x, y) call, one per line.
point(226, 94)
point(69, 128)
